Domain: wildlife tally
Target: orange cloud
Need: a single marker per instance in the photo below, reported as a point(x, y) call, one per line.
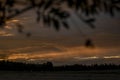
point(4, 33)
point(78, 53)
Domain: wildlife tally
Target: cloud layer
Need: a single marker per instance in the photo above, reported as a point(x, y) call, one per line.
point(65, 46)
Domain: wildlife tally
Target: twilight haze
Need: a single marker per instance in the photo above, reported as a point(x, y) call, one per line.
point(64, 46)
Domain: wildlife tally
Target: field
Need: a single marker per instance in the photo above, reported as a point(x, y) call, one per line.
point(69, 75)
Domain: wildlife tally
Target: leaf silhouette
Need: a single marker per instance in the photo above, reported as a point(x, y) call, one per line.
point(28, 34)
point(70, 3)
point(2, 23)
point(111, 11)
point(106, 6)
point(48, 4)
point(92, 25)
point(78, 4)
point(56, 24)
point(47, 20)
point(33, 2)
point(38, 19)
point(93, 9)
point(40, 4)
point(20, 28)
point(38, 16)
point(117, 8)
point(86, 11)
point(89, 43)
point(10, 3)
point(65, 25)
point(63, 14)
point(90, 20)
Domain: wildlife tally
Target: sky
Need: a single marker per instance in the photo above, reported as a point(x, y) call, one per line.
point(64, 46)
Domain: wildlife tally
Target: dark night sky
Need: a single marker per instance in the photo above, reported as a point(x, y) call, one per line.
point(65, 46)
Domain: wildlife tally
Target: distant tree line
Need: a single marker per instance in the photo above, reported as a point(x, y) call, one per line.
point(48, 66)
point(19, 66)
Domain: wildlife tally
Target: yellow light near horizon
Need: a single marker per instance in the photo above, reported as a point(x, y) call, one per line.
point(31, 56)
point(76, 53)
point(4, 33)
point(110, 57)
point(8, 27)
point(14, 21)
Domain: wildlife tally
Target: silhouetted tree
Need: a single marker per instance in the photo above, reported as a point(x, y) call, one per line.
point(48, 66)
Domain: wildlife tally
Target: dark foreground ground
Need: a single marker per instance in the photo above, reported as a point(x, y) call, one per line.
point(69, 75)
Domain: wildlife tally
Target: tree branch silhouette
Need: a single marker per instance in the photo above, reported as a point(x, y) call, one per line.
point(53, 12)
